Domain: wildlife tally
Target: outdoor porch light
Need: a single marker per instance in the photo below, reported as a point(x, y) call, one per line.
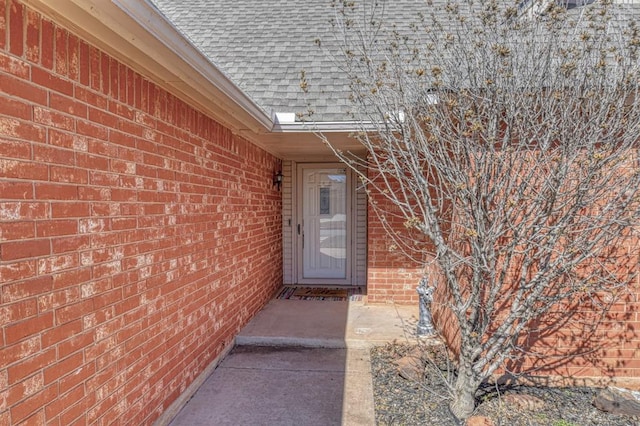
point(277, 179)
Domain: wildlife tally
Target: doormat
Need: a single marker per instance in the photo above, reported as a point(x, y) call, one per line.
point(320, 293)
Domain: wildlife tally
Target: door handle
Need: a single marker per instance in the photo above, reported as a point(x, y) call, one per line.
point(299, 233)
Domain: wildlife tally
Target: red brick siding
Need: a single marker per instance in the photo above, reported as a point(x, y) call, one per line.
point(588, 348)
point(614, 346)
point(391, 277)
point(588, 344)
point(137, 235)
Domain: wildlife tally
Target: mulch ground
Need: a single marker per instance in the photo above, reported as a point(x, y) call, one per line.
point(399, 401)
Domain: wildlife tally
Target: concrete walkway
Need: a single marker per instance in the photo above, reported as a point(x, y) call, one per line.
point(300, 362)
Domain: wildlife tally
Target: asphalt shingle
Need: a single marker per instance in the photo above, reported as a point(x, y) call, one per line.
point(263, 46)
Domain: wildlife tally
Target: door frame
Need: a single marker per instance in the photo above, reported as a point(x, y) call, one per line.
point(298, 197)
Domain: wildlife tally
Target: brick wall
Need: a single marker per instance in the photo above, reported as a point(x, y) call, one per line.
point(587, 348)
point(391, 276)
point(137, 235)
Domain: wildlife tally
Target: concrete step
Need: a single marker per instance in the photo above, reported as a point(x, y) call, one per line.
point(329, 324)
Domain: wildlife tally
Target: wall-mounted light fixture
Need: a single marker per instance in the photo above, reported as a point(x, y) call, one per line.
point(277, 179)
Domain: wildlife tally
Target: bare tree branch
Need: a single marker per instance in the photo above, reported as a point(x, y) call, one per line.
point(505, 139)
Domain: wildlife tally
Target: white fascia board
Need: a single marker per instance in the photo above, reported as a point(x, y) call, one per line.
point(327, 126)
point(150, 18)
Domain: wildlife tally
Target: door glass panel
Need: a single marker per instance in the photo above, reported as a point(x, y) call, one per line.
point(325, 223)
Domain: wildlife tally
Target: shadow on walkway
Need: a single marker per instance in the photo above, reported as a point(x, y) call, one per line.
point(300, 362)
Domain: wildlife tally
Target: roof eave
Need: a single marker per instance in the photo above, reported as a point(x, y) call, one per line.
point(156, 24)
point(137, 34)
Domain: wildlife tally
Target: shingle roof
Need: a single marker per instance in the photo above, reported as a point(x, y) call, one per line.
point(264, 45)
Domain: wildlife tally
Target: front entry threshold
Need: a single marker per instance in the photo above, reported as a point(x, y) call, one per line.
point(322, 293)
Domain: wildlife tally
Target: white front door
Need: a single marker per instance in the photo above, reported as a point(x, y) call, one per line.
point(324, 231)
